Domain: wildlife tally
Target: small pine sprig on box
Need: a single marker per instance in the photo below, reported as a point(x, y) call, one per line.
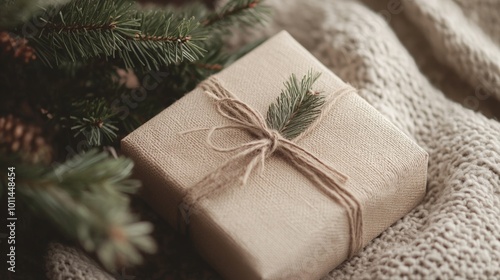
point(297, 107)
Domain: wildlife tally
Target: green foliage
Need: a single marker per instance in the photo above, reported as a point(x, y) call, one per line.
point(75, 92)
point(163, 39)
point(121, 30)
point(83, 29)
point(297, 106)
point(85, 198)
point(93, 120)
point(109, 29)
point(85, 42)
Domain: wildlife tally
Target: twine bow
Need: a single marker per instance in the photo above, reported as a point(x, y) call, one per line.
point(254, 153)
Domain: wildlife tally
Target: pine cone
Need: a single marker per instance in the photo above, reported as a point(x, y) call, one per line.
point(27, 140)
point(17, 47)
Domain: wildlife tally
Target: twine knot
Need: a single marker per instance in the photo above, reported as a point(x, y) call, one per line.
point(274, 138)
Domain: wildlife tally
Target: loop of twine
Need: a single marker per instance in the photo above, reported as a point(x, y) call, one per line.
point(253, 154)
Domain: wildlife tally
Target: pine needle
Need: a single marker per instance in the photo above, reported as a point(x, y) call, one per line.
point(297, 106)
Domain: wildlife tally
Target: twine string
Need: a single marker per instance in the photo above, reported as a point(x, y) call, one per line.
point(253, 154)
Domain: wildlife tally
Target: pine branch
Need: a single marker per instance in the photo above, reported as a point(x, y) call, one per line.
point(296, 108)
point(93, 120)
point(163, 39)
point(108, 29)
point(85, 199)
point(244, 12)
point(64, 37)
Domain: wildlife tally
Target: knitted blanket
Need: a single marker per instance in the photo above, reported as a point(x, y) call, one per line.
point(433, 69)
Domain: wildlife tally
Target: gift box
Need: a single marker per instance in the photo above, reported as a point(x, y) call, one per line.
point(259, 206)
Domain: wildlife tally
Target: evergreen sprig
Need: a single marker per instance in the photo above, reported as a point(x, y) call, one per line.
point(297, 106)
point(84, 29)
point(163, 39)
point(108, 29)
point(85, 198)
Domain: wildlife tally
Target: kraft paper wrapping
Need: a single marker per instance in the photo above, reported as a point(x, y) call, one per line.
point(278, 226)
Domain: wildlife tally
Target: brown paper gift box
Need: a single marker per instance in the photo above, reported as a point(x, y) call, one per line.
point(278, 226)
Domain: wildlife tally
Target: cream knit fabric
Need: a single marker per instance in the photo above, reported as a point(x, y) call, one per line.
point(65, 263)
point(420, 70)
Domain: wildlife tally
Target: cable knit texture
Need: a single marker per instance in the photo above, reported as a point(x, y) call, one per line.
point(433, 69)
point(66, 263)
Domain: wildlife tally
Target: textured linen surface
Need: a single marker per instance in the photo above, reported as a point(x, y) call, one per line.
point(420, 67)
